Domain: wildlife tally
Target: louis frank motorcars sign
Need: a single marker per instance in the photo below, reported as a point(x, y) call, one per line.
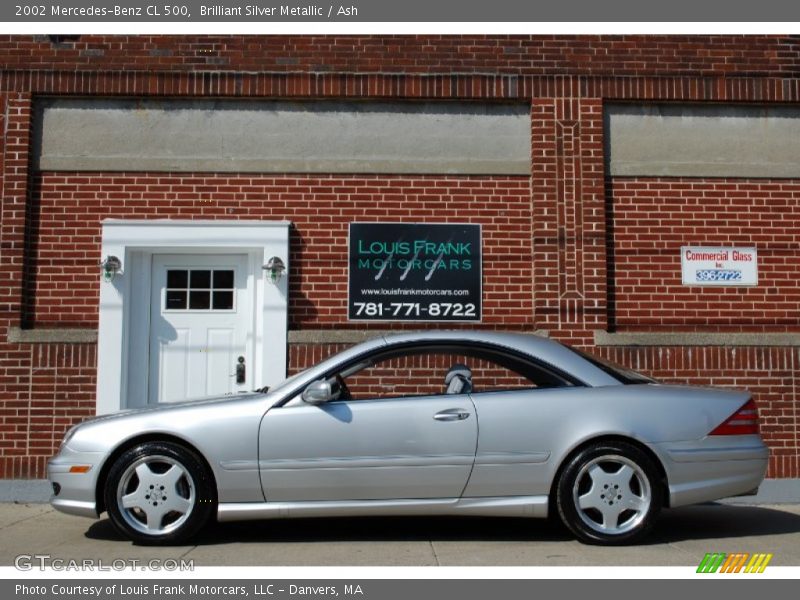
point(414, 272)
point(719, 266)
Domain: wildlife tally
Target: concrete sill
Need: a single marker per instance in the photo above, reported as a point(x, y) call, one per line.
point(689, 338)
point(51, 336)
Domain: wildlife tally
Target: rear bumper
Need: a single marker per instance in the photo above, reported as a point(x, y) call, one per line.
point(713, 468)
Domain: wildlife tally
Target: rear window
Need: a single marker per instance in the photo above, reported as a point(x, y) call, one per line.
point(622, 374)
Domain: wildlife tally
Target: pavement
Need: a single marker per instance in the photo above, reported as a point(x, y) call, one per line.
point(681, 538)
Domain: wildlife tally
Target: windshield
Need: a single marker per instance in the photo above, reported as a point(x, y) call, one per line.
point(622, 374)
point(287, 382)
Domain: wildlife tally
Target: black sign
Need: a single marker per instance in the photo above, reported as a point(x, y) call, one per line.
point(414, 272)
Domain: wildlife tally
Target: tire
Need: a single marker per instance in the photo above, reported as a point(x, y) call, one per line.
point(159, 493)
point(595, 515)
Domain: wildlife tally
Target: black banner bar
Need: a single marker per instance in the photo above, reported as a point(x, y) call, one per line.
point(708, 586)
point(440, 11)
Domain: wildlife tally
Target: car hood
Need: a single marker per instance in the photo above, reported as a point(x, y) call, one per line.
point(161, 407)
point(188, 420)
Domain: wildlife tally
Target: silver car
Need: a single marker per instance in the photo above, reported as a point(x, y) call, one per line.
point(434, 423)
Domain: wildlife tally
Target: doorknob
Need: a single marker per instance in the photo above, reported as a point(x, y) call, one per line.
point(451, 414)
point(241, 373)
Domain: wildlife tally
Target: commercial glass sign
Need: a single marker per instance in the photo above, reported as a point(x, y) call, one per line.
point(719, 266)
point(414, 272)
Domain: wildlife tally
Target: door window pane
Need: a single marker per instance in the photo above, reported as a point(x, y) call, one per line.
point(199, 300)
point(223, 301)
point(223, 280)
point(176, 299)
point(177, 278)
point(200, 279)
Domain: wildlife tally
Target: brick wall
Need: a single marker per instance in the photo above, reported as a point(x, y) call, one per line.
point(49, 388)
point(569, 225)
point(653, 218)
point(68, 210)
point(621, 55)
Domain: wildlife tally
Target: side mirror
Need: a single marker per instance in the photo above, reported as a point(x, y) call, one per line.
point(320, 392)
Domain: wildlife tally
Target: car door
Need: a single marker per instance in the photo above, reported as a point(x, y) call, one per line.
point(519, 429)
point(368, 449)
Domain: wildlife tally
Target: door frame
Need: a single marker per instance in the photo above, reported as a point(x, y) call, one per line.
point(124, 314)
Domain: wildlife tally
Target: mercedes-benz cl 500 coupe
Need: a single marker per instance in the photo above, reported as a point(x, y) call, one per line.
point(432, 423)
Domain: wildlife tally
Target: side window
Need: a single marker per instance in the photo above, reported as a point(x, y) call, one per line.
point(433, 373)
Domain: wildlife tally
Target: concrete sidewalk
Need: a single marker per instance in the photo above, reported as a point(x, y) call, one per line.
point(681, 538)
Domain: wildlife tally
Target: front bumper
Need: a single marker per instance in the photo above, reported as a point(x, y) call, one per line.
point(74, 492)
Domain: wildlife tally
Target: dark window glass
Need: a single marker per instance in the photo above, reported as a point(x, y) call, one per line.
point(200, 283)
point(223, 280)
point(199, 300)
point(622, 374)
point(200, 279)
point(177, 279)
point(176, 299)
point(223, 301)
point(428, 370)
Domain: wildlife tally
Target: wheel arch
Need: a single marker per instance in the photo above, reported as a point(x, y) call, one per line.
point(135, 441)
point(663, 480)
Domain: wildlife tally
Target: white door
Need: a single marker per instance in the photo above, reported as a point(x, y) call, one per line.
point(201, 313)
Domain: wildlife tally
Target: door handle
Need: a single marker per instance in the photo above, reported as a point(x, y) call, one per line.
point(451, 414)
point(241, 373)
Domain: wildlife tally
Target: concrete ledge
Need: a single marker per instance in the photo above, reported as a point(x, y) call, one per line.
point(772, 491)
point(355, 336)
point(25, 490)
point(303, 336)
point(333, 336)
point(644, 338)
point(51, 336)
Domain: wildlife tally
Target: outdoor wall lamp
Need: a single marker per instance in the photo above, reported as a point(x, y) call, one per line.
point(276, 268)
point(110, 266)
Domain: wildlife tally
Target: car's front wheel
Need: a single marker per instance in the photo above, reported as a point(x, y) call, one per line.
point(609, 493)
point(159, 493)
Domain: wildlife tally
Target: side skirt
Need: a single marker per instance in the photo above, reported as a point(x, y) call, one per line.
point(512, 506)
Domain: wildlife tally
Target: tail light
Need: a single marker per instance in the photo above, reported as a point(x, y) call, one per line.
point(743, 422)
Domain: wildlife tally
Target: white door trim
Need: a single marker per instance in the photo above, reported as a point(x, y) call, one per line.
point(134, 242)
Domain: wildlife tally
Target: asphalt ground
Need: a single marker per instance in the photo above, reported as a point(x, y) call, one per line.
point(681, 538)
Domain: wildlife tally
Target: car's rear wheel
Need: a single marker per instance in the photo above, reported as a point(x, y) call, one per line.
point(609, 493)
point(159, 493)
